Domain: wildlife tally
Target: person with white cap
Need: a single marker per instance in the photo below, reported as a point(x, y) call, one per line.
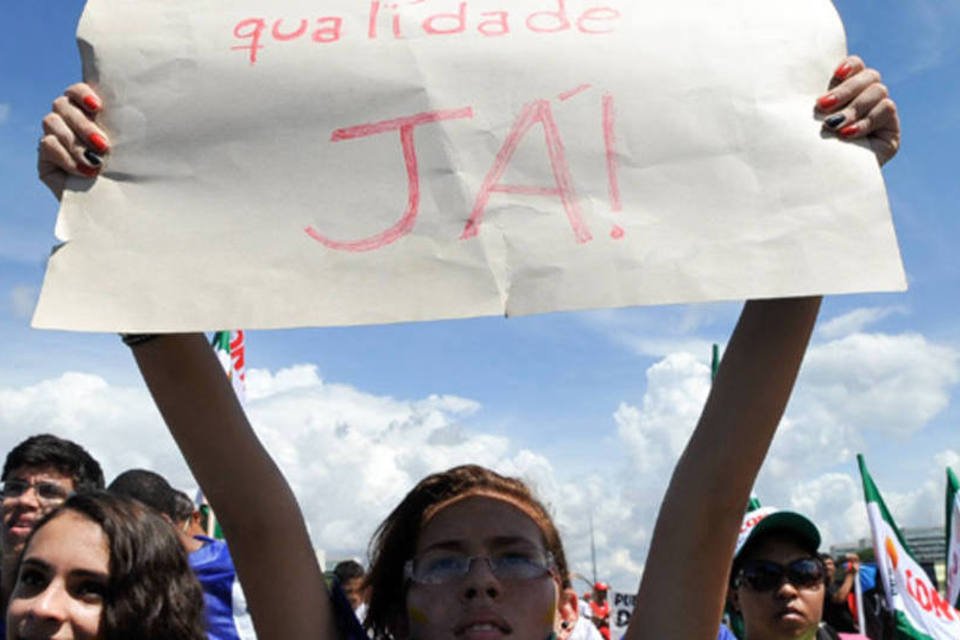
point(778, 580)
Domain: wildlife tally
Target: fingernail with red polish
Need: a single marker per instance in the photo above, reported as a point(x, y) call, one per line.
point(843, 71)
point(827, 102)
point(850, 130)
point(99, 142)
point(90, 172)
point(91, 103)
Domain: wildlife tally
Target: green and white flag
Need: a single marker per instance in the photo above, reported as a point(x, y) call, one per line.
point(920, 612)
point(230, 348)
point(953, 539)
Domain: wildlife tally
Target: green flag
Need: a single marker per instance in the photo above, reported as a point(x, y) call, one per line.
point(230, 347)
point(920, 612)
point(953, 539)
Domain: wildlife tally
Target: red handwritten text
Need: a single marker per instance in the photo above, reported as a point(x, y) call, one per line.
point(538, 112)
point(405, 224)
point(392, 20)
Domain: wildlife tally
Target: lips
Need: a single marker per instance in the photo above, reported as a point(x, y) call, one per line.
point(792, 613)
point(22, 526)
point(482, 626)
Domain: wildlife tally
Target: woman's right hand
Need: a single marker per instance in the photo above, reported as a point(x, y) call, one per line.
point(72, 143)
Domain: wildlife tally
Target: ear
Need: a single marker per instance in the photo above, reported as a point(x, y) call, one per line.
point(733, 598)
point(568, 611)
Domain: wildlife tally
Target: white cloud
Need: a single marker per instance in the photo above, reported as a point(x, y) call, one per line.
point(663, 331)
point(23, 297)
point(890, 383)
point(350, 455)
point(5, 110)
point(948, 458)
point(834, 501)
point(855, 321)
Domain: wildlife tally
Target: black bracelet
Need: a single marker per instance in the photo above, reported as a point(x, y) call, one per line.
point(133, 339)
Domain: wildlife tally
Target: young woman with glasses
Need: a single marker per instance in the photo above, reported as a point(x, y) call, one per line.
point(468, 554)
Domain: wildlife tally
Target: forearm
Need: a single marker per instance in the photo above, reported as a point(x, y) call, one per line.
point(840, 595)
point(254, 504)
point(685, 578)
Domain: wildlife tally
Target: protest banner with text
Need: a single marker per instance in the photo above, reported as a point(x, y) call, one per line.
point(357, 162)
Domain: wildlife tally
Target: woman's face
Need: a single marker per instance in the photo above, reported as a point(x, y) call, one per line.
point(787, 611)
point(480, 605)
point(63, 576)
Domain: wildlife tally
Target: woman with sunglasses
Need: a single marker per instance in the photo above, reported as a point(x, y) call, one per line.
point(474, 558)
point(778, 582)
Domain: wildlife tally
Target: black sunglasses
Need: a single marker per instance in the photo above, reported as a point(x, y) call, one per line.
point(764, 575)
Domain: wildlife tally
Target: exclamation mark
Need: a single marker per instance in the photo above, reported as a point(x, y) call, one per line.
point(610, 144)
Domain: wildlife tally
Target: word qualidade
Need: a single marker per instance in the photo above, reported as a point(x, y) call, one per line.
point(396, 21)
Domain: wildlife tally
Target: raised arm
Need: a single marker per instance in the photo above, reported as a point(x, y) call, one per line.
point(685, 579)
point(259, 514)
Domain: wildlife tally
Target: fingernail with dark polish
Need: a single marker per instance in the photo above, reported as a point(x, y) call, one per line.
point(835, 120)
point(99, 142)
point(91, 103)
point(92, 158)
point(851, 130)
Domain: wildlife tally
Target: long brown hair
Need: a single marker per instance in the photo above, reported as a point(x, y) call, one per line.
point(152, 593)
point(395, 540)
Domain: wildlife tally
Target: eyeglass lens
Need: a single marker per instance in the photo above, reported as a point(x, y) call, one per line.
point(47, 491)
point(766, 575)
point(438, 570)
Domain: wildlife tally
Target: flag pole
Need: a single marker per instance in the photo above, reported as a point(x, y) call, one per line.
point(593, 550)
point(858, 591)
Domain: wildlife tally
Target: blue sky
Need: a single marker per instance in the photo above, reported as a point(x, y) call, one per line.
point(593, 407)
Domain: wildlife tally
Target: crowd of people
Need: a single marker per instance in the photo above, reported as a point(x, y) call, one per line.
point(467, 554)
point(144, 563)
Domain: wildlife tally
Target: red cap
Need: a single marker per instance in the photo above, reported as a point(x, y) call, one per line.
point(600, 586)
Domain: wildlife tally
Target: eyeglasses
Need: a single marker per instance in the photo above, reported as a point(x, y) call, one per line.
point(442, 569)
point(764, 575)
point(47, 492)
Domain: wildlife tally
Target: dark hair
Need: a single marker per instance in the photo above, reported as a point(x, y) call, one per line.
point(152, 593)
point(65, 456)
point(348, 570)
point(183, 506)
point(395, 540)
point(150, 488)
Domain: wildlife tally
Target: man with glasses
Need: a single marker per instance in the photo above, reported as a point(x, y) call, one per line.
point(38, 475)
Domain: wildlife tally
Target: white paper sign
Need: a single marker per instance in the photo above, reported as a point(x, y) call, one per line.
point(295, 162)
point(621, 609)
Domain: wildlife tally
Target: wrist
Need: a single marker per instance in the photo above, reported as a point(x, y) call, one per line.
point(135, 339)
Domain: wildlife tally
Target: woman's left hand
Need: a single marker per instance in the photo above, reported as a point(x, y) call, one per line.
point(858, 106)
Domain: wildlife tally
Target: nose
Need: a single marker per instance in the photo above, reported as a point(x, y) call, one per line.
point(28, 497)
point(786, 590)
point(480, 581)
point(48, 610)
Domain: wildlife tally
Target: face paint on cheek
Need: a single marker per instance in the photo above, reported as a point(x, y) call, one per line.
point(550, 616)
point(418, 616)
